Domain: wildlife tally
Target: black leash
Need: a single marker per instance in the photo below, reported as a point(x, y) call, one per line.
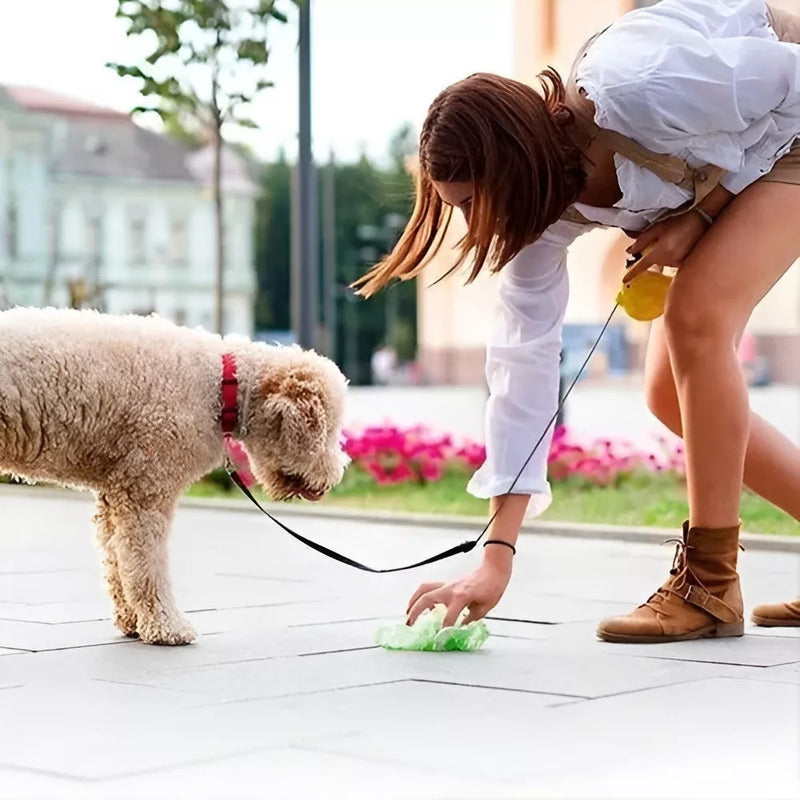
point(464, 547)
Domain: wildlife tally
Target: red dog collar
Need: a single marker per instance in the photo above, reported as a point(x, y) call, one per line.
point(229, 387)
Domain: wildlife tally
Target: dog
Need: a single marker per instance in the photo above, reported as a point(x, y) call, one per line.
point(134, 409)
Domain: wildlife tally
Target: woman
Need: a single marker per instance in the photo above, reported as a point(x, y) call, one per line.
point(676, 125)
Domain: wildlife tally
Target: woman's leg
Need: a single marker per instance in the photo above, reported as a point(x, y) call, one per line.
point(772, 462)
point(732, 267)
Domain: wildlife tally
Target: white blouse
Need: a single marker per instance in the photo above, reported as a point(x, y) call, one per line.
point(705, 80)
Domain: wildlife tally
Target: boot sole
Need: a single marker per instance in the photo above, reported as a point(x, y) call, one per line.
point(772, 622)
point(709, 632)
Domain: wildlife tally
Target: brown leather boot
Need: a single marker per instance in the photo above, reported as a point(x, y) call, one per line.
point(778, 615)
point(701, 599)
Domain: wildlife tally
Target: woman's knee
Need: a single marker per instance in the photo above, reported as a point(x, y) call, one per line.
point(661, 397)
point(696, 328)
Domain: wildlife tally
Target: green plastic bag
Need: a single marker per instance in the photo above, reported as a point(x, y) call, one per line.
point(428, 634)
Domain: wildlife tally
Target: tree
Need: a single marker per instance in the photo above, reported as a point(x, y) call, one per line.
point(404, 143)
point(207, 64)
point(372, 204)
point(273, 247)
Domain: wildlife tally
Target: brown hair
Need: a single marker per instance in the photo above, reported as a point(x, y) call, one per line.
point(509, 141)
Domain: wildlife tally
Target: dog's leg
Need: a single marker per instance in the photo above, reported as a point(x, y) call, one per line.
point(124, 615)
point(140, 544)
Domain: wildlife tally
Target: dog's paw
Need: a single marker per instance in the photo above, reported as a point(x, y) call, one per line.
point(170, 632)
point(125, 622)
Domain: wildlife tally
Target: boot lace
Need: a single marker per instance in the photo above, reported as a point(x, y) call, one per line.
point(656, 601)
point(680, 571)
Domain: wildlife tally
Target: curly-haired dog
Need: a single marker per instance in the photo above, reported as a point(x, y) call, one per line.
point(130, 407)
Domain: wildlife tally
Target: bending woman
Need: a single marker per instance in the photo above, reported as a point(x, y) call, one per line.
point(677, 124)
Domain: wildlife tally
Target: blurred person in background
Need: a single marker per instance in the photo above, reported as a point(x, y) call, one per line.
point(383, 364)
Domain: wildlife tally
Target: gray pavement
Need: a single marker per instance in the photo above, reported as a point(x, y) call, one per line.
point(284, 695)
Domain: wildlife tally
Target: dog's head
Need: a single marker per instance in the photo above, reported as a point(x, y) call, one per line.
point(294, 433)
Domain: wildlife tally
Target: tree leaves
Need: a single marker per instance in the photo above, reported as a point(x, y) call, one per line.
point(200, 48)
point(254, 50)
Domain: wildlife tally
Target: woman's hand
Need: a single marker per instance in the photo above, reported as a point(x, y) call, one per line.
point(666, 243)
point(480, 591)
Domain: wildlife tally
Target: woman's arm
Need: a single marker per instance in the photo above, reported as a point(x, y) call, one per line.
point(715, 201)
point(667, 243)
point(480, 590)
point(522, 368)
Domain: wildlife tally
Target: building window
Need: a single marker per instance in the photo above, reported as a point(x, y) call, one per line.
point(137, 246)
point(12, 229)
point(94, 249)
point(178, 242)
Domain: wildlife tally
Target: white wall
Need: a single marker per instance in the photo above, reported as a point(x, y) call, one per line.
point(181, 290)
point(176, 289)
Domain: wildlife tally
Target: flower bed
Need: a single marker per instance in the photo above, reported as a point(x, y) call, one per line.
point(389, 455)
point(596, 480)
point(603, 462)
point(392, 455)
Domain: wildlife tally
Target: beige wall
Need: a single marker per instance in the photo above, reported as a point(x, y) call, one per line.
point(551, 31)
point(454, 321)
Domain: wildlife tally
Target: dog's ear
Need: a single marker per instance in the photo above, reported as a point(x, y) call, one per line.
point(294, 411)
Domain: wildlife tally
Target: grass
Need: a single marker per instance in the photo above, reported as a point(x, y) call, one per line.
point(638, 500)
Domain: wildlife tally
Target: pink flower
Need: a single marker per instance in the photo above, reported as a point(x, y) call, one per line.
point(431, 471)
point(392, 454)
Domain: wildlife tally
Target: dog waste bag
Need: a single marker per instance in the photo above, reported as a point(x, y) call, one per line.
point(427, 633)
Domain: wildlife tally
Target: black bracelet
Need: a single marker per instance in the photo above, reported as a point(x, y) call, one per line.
point(499, 541)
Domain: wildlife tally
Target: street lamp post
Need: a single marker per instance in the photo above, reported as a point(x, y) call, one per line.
point(304, 269)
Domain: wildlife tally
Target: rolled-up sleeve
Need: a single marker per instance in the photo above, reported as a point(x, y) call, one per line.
point(705, 80)
point(522, 368)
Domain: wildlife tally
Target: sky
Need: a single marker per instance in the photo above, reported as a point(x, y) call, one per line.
point(376, 64)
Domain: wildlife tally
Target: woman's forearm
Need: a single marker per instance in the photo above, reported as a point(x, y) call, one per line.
point(716, 200)
point(505, 527)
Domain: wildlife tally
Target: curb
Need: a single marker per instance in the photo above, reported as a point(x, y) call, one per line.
point(574, 530)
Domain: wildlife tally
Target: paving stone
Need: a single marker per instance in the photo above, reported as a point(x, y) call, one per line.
point(756, 651)
point(547, 608)
point(58, 612)
point(612, 747)
point(297, 773)
point(80, 731)
point(780, 633)
point(433, 726)
point(734, 738)
point(532, 666)
point(34, 636)
point(286, 689)
point(284, 677)
point(786, 673)
point(23, 784)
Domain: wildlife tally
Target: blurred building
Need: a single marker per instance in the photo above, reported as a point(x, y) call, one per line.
point(454, 320)
point(97, 211)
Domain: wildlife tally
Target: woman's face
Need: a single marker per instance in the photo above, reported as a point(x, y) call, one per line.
point(456, 193)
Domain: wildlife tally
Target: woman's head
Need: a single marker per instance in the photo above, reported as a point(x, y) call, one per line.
point(497, 149)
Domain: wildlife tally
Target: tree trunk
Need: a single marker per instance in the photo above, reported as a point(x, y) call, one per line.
point(219, 233)
point(52, 255)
